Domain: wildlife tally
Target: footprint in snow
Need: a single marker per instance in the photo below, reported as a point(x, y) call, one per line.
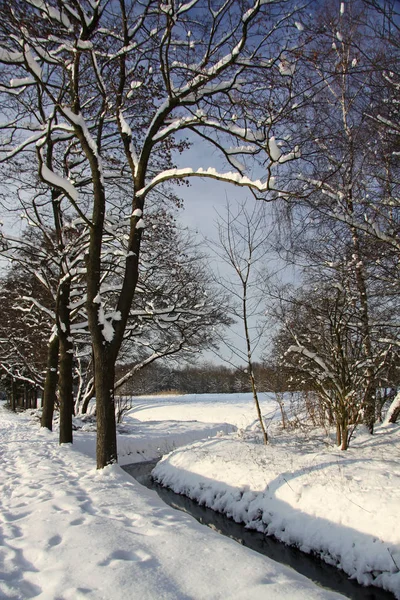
point(126, 555)
point(10, 517)
point(54, 541)
point(76, 522)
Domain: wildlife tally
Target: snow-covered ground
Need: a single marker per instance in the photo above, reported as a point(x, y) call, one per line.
point(69, 532)
point(156, 425)
point(237, 409)
point(344, 506)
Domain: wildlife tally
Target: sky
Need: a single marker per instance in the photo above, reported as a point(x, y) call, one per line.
point(204, 200)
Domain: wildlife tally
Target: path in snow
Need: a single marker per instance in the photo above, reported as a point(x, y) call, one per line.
point(69, 532)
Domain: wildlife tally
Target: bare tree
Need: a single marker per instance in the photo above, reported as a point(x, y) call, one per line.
point(320, 340)
point(348, 187)
point(243, 248)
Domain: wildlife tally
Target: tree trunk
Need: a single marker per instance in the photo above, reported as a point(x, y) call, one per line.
point(338, 434)
point(345, 435)
point(369, 396)
point(65, 384)
point(255, 396)
point(394, 409)
point(66, 391)
point(50, 384)
point(395, 414)
point(34, 398)
point(89, 395)
point(13, 395)
point(106, 448)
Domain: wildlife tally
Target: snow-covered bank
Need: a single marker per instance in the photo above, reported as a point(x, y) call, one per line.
point(342, 506)
point(146, 441)
point(69, 532)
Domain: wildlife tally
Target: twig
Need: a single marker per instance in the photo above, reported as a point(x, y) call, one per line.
point(391, 556)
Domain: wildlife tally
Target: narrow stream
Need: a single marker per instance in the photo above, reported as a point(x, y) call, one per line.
point(311, 567)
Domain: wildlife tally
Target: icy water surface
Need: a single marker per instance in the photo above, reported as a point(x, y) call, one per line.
point(311, 567)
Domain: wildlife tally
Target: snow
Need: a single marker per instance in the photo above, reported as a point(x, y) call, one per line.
point(71, 532)
point(8, 56)
point(343, 506)
point(230, 177)
point(84, 45)
point(286, 68)
point(127, 131)
point(55, 180)
point(21, 82)
point(236, 409)
point(33, 65)
point(52, 12)
point(150, 440)
point(274, 149)
point(79, 121)
point(392, 407)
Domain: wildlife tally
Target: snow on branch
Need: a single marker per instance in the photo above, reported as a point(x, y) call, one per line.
point(32, 64)
point(55, 180)
point(52, 13)
point(212, 173)
point(31, 140)
point(312, 356)
point(39, 306)
point(11, 58)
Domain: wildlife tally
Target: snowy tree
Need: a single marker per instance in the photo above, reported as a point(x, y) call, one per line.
point(348, 186)
point(320, 340)
point(49, 252)
point(115, 88)
point(177, 311)
point(23, 330)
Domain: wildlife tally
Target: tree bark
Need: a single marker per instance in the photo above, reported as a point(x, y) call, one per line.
point(258, 409)
point(65, 384)
point(66, 391)
point(87, 398)
point(395, 415)
point(369, 396)
point(396, 411)
point(50, 384)
point(35, 397)
point(106, 447)
point(13, 395)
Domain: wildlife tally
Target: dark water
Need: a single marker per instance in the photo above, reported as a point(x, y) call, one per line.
point(311, 567)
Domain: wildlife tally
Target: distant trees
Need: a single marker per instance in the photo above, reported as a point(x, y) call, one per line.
point(25, 325)
point(200, 378)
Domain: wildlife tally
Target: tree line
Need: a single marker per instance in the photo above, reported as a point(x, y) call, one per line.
point(204, 378)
